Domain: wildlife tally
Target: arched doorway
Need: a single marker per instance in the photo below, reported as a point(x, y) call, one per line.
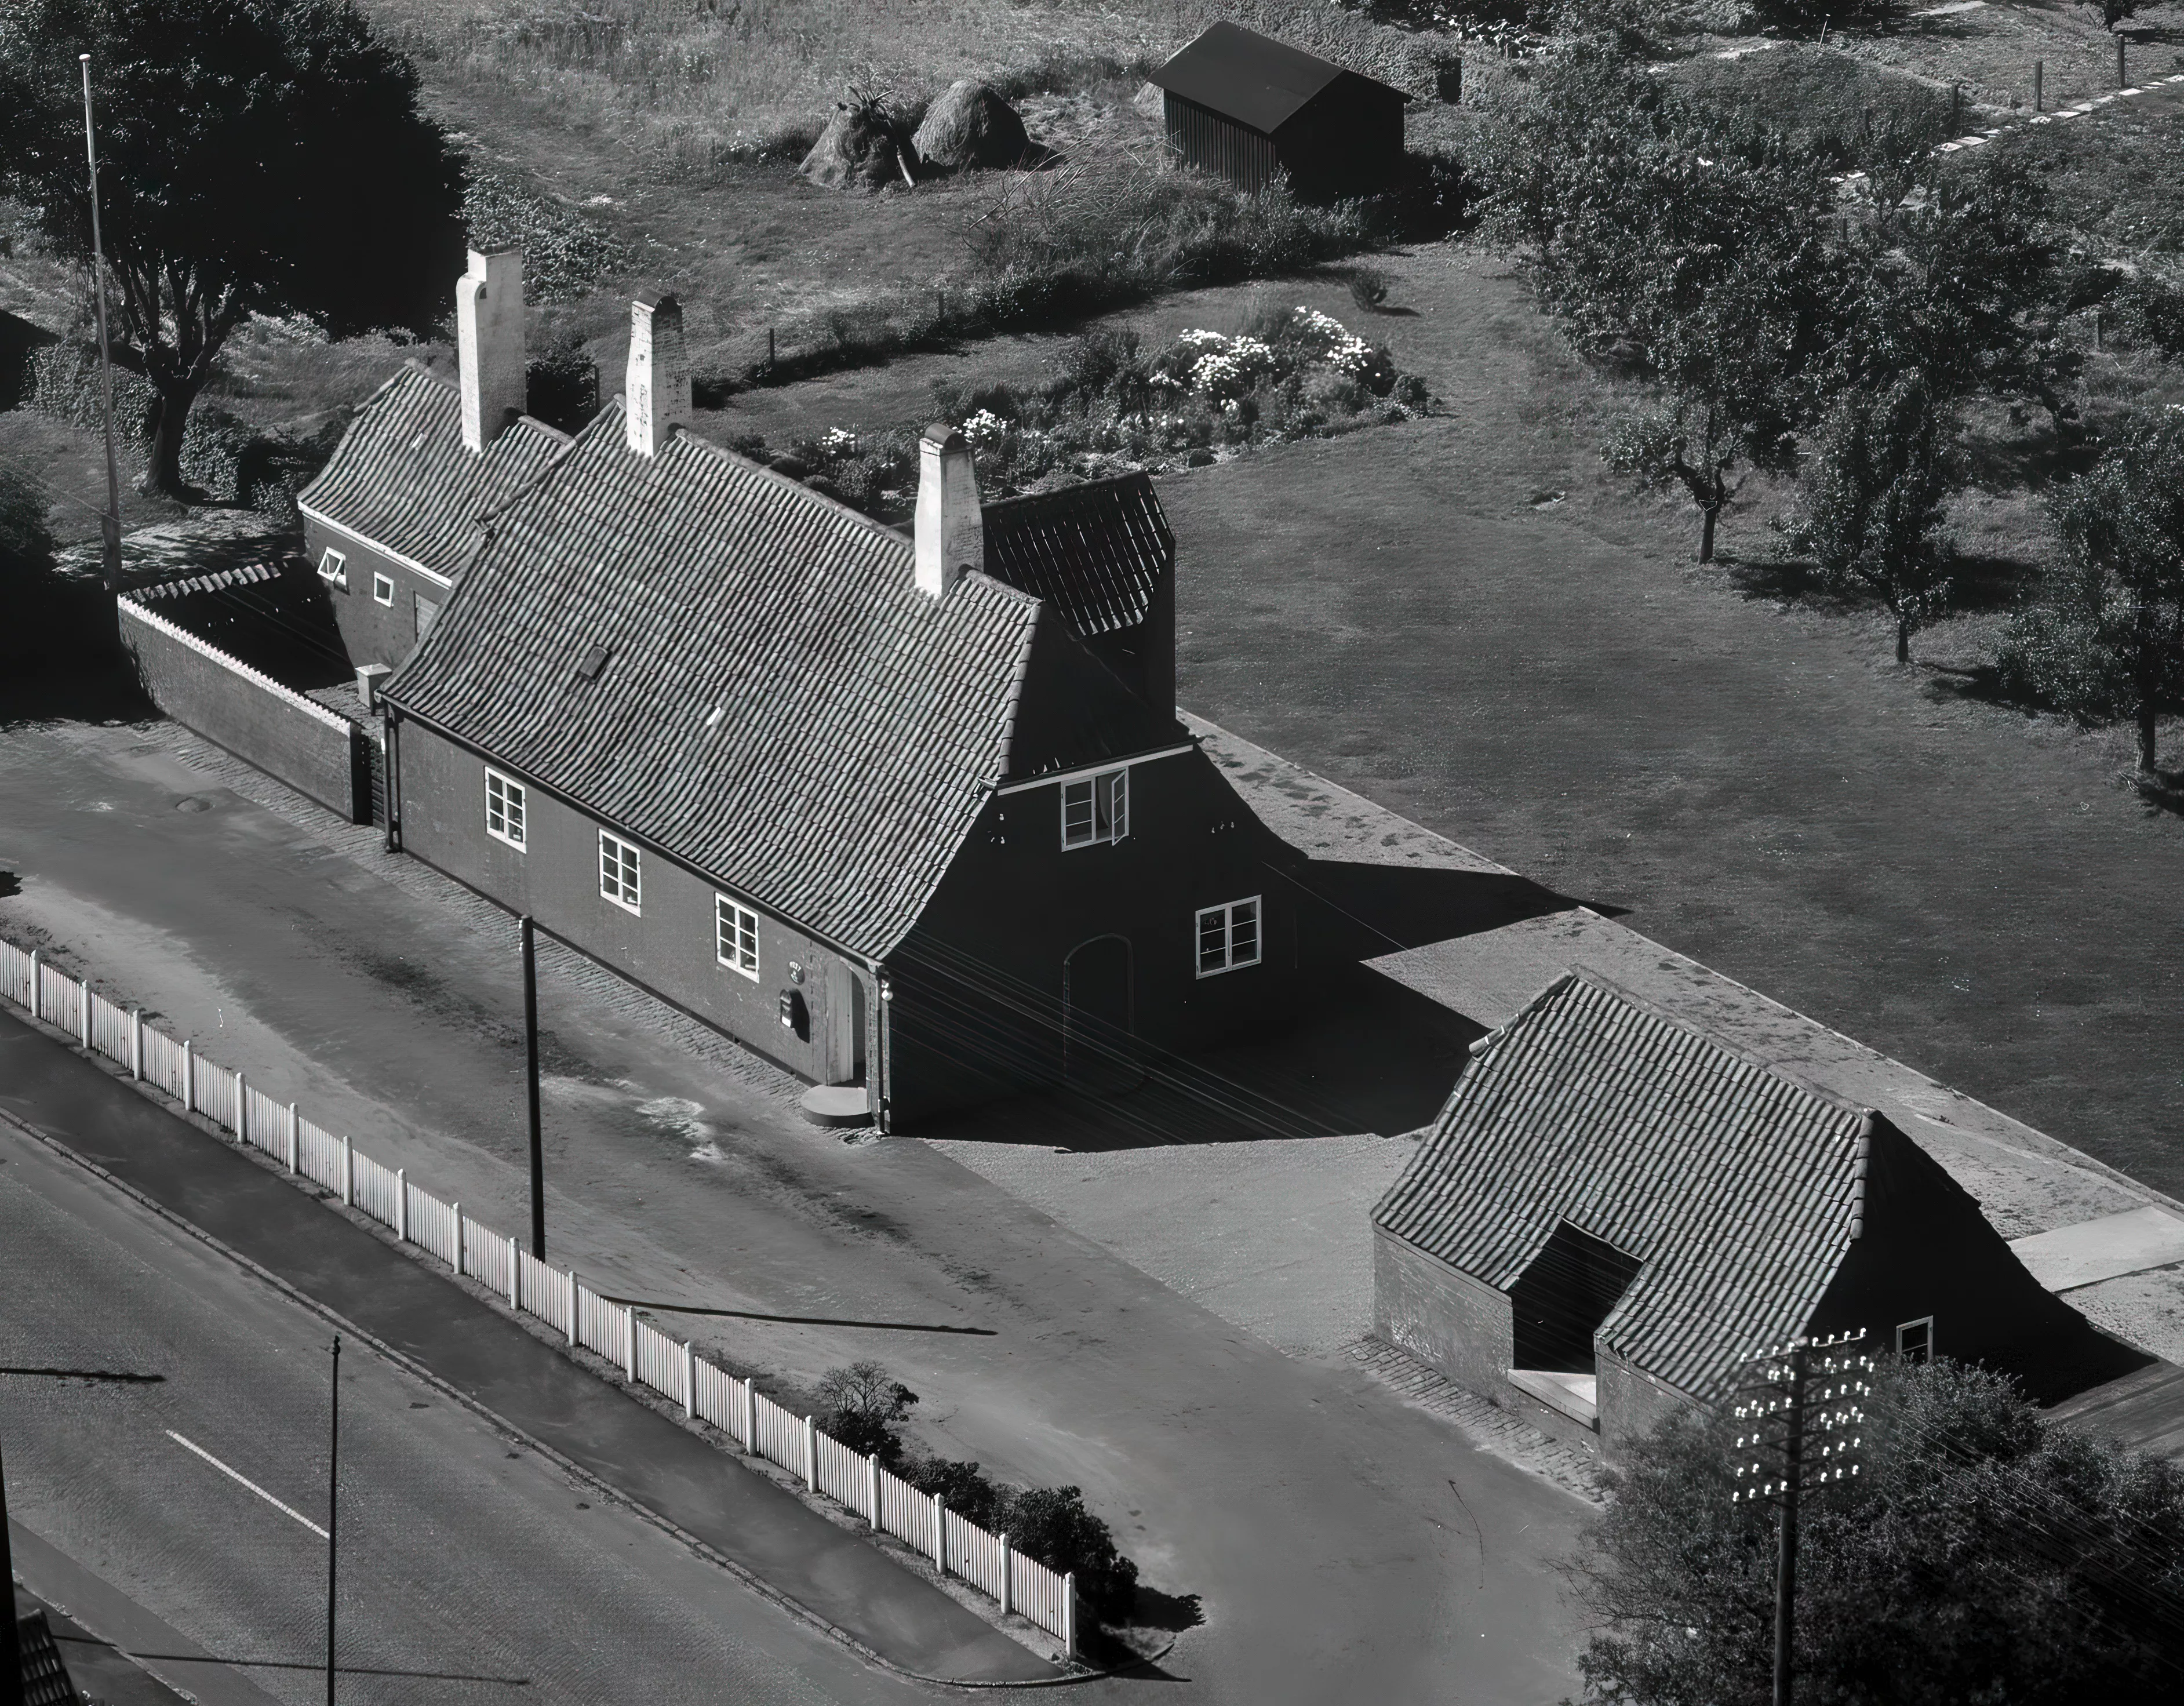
point(1097, 1017)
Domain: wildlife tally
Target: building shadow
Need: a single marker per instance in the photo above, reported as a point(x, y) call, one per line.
point(1360, 1053)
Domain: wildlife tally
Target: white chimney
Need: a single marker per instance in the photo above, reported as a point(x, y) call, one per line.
point(489, 337)
point(656, 394)
point(950, 532)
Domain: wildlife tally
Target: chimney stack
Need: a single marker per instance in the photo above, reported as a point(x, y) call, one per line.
point(656, 394)
point(950, 532)
point(489, 339)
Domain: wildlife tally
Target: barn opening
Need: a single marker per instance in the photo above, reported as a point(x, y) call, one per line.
point(1560, 1300)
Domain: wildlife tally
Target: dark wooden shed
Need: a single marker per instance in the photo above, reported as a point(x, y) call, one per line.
point(1252, 108)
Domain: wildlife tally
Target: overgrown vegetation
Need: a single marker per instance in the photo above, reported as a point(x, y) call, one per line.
point(866, 1408)
point(1113, 407)
point(565, 253)
point(1981, 1554)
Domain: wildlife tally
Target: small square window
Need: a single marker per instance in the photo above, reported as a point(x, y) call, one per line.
point(504, 808)
point(383, 589)
point(620, 880)
point(1095, 809)
point(735, 936)
point(1228, 937)
point(333, 566)
point(1915, 1340)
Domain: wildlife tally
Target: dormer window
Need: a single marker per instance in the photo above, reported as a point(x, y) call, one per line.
point(1095, 809)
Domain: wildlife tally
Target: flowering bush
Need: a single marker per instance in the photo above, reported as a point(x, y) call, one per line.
point(984, 430)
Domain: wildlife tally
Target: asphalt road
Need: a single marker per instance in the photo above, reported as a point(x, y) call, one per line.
point(471, 1570)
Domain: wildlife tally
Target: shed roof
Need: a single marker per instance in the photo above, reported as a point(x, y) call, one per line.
point(1096, 551)
point(403, 477)
point(1736, 1187)
point(779, 705)
point(1253, 79)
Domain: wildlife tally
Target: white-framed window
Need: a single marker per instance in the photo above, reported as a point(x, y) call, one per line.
point(1227, 937)
point(1095, 809)
point(504, 808)
point(620, 879)
point(333, 566)
point(735, 936)
point(383, 589)
point(1915, 1340)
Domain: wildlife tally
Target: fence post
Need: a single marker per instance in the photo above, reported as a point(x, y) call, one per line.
point(242, 1110)
point(514, 1275)
point(83, 1011)
point(2039, 76)
point(873, 1490)
point(1069, 1614)
point(940, 1532)
point(189, 1078)
point(689, 1381)
point(37, 986)
point(349, 1173)
point(2118, 62)
point(1007, 1584)
point(137, 1043)
point(459, 1238)
point(751, 1414)
point(292, 1137)
point(572, 1308)
point(629, 1321)
point(401, 1205)
point(811, 1455)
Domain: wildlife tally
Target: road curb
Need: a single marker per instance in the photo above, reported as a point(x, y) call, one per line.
point(583, 1477)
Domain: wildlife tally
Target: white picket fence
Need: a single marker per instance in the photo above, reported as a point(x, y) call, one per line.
point(645, 1356)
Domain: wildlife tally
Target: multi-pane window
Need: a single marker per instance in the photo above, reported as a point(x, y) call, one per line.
point(1228, 937)
point(736, 935)
point(619, 881)
point(333, 566)
point(383, 589)
point(504, 808)
point(1915, 1340)
point(1095, 809)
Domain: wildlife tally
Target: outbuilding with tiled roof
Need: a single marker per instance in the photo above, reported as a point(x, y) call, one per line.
point(1615, 1212)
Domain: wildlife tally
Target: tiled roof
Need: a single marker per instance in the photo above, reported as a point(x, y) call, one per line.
point(1736, 1188)
point(402, 477)
point(1253, 79)
point(1095, 551)
point(779, 705)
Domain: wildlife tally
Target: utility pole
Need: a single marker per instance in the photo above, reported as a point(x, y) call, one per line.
point(531, 1057)
point(11, 1649)
point(333, 1509)
point(1803, 1406)
point(109, 523)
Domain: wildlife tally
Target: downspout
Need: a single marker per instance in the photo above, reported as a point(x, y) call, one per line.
point(882, 1072)
point(394, 780)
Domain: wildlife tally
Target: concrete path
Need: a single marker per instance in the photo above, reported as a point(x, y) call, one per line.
point(2108, 1248)
point(835, 1575)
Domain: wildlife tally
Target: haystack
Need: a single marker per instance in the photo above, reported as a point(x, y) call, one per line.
point(971, 125)
point(860, 149)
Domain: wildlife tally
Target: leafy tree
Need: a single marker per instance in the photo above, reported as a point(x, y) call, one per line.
point(1873, 502)
point(256, 157)
point(1051, 1524)
point(864, 1407)
point(2113, 12)
point(1692, 252)
point(2106, 636)
point(1983, 1556)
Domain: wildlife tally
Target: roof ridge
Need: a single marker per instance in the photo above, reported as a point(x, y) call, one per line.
point(1075, 488)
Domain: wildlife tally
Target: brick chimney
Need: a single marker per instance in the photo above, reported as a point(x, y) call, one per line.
point(656, 394)
point(950, 532)
point(489, 341)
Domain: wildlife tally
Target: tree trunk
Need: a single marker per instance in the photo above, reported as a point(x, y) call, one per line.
point(163, 472)
point(2146, 735)
point(1706, 512)
point(1903, 639)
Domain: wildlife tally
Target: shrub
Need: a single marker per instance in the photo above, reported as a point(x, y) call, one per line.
point(863, 1409)
point(1051, 1524)
point(564, 253)
point(967, 1489)
point(1368, 287)
point(562, 385)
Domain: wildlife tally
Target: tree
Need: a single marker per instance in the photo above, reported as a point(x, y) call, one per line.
point(1873, 502)
point(1982, 1555)
point(256, 157)
point(1051, 1524)
point(864, 1407)
point(2113, 12)
point(1690, 252)
point(2106, 636)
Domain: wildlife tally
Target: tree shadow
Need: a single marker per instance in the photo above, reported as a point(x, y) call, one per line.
point(104, 691)
point(1170, 1612)
point(2161, 790)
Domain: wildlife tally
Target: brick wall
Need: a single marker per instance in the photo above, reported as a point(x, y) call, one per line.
point(1451, 1322)
point(1633, 1403)
point(251, 716)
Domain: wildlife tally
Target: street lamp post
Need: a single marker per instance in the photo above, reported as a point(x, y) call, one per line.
point(333, 1507)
